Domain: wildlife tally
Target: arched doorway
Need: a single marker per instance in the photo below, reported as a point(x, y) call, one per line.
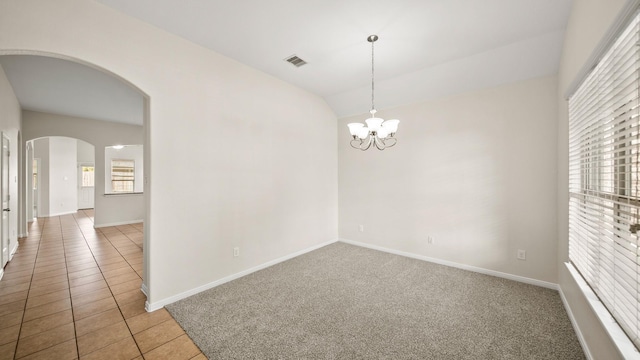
point(60, 176)
point(87, 132)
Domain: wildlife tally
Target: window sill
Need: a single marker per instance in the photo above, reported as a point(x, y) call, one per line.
point(123, 194)
point(617, 335)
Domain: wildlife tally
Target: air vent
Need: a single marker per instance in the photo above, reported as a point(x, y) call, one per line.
point(293, 59)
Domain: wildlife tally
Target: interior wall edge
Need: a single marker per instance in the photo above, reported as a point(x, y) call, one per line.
point(508, 276)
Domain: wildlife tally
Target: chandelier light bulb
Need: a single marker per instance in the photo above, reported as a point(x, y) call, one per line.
point(363, 133)
point(374, 123)
point(354, 128)
point(391, 125)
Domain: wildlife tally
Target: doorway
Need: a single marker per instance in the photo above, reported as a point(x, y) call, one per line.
point(86, 185)
point(61, 176)
point(46, 207)
point(5, 199)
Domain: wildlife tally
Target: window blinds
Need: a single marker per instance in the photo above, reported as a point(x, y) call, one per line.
point(603, 180)
point(122, 175)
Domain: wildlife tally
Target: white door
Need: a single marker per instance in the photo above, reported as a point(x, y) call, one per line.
point(86, 185)
point(5, 200)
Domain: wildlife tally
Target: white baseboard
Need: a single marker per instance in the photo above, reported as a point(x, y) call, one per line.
point(128, 222)
point(22, 235)
point(576, 328)
point(145, 291)
point(1, 273)
point(61, 214)
point(13, 251)
point(518, 278)
point(160, 304)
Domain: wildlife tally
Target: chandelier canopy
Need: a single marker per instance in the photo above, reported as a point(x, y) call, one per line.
point(377, 131)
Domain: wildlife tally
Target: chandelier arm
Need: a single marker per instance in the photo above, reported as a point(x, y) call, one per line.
point(395, 141)
point(368, 144)
point(380, 143)
point(359, 143)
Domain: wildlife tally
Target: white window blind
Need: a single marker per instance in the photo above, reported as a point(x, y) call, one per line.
point(603, 180)
point(122, 175)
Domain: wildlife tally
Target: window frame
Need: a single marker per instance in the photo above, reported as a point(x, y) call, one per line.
point(116, 190)
point(604, 194)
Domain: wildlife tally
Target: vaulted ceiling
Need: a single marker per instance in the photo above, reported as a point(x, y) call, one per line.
point(427, 48)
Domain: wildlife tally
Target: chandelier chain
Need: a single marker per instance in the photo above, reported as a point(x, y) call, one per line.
point(372, 79)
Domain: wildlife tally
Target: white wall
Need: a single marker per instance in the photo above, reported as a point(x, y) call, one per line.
point(475, 171)
point(109, 210)
point(86, 152)
point(587, 25)
point(128, 152)
point(10, 119)
point(63, 176)
point(263, 151)
point(57, 179)
point(41, 152)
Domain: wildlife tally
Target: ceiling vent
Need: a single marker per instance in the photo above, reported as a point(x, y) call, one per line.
point(293, 59)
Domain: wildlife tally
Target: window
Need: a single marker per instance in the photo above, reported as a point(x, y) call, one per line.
point(122, 176)
point(88, 176)
point(604, 189)
point(123, 169)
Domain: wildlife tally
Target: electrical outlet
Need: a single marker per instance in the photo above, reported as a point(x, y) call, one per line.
point(430, 239)
point(236, 251)
point(361, 228)
point(522, 255)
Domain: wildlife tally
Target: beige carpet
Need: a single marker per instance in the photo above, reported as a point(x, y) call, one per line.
point(347, 302)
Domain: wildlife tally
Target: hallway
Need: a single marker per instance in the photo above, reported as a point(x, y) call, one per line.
point(72, 291)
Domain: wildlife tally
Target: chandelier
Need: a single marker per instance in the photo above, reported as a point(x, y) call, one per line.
point(377, 132)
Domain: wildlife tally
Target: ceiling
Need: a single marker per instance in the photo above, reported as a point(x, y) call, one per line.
point(427, 48)
point(63, 87)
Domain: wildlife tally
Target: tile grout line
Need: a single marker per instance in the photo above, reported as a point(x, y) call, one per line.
point(24, 310)
point(68, 289)
point(115, 247)
point(73, 247)
point(108, 287)
point(73, 319)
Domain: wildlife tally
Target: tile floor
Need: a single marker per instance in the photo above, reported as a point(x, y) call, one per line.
point(72, 291)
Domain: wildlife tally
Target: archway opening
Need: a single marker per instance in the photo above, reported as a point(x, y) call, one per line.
point(91, 130)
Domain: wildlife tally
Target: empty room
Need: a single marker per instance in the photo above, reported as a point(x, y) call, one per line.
point(411, 179)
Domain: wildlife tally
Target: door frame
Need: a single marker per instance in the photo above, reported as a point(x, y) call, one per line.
point(5, 228)
point(35, 193)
